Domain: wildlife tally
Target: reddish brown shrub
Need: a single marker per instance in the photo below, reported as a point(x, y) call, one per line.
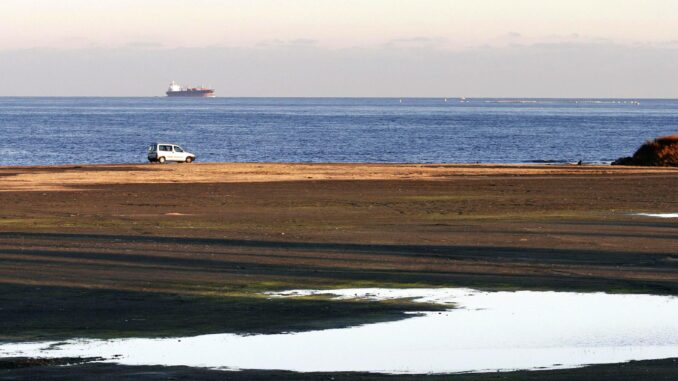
point(662, 152)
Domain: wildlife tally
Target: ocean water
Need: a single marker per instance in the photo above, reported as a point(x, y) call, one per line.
point(36, 131)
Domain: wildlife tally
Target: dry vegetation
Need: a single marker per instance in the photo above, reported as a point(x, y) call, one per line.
point(660, 152)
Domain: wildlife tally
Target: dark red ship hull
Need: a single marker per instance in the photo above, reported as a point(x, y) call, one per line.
point(199, 93)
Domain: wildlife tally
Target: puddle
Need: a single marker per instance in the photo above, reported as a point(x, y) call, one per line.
point(488, 331)
point(658, 215)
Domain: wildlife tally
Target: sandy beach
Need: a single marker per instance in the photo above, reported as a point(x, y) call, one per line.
point(111, 245)
point(554, 226)
point(64, 177)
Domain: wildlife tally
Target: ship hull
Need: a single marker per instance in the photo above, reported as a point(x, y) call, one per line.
point(191, 94)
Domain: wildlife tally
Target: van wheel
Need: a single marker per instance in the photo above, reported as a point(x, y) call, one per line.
point(161, 160)
point(189, 159)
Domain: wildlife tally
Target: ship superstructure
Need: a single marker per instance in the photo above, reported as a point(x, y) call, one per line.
point(175, 90)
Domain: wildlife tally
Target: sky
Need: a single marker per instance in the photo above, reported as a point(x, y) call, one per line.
point(490, 48)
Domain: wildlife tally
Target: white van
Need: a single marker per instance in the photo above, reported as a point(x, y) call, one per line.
point(164, 152)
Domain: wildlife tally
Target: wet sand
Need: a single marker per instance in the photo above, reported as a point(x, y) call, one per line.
point(148, 238)
point(23, 369)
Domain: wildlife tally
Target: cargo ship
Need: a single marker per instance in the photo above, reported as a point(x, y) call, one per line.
point(175, 90)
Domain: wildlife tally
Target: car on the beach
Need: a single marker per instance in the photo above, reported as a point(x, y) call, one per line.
point(164, 152)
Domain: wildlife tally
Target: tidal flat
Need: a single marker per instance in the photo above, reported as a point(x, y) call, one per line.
point(479, 332)
point(98, 252)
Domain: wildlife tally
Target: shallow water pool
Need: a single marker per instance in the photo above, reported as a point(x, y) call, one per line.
point(658, 215)
point(486, 331)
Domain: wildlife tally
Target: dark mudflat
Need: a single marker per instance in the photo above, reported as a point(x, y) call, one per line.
point(656, 370)
point(36, 313)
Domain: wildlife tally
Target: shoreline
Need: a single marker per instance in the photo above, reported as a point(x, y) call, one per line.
point(601, 165)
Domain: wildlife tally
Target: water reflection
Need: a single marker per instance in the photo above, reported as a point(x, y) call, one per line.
point(487, 331)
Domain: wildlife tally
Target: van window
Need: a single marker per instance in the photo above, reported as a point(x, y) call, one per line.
point(178, 149)
point(152, 148)
point(166, 148)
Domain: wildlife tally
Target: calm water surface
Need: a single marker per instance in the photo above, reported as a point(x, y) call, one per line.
point(488, 331)
point(117, 130)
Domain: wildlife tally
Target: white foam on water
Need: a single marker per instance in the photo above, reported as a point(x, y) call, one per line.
point(487, 331)
point(658, 215)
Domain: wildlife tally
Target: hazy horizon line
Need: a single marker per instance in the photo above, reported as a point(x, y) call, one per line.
point(342, 97)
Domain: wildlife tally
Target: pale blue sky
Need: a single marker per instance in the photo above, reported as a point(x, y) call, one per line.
point(341, 48)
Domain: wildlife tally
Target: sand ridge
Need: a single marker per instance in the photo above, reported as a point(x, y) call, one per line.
point(70, 177)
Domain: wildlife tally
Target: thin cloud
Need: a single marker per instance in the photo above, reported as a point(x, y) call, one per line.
point(303, 41)
point(416, 42)
point(277, 43)
point(144, 45)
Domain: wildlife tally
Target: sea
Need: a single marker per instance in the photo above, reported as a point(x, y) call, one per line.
point(69, 130)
